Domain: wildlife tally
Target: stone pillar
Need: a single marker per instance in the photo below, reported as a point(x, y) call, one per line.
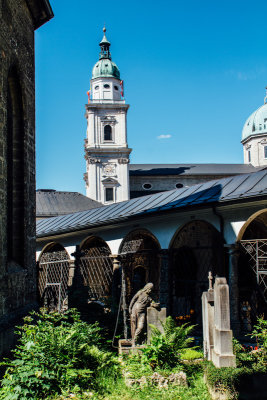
point(116, 282)
point(116, 261)
point(222, 352)
point(71, 272)
point(77, 292)
point(164, 295)
point(233, 252)
point(208, 322)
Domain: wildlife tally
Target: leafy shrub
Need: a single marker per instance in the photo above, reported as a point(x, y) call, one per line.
point(260, 334)
point(191, 354)
point(55, 352)
point(164, 348)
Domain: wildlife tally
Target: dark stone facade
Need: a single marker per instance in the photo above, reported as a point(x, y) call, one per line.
point(17, 161)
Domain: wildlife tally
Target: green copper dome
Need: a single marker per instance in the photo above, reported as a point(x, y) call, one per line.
point(105, 68)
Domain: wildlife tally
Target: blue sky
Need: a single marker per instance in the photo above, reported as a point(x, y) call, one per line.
point(193, 72)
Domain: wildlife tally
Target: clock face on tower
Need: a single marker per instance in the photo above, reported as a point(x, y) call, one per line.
point(109, 169)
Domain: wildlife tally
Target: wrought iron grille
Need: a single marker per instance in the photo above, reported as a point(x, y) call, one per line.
point(132, 246)
point(97, 270)
point(257, 252)
point(53, 279)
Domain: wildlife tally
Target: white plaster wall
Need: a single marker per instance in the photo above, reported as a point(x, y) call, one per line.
point(103, 93)
point(256, 147)
point(167, 182)
point(162, 227)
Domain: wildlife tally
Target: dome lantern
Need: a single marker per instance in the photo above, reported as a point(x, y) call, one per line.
point(105, 68)
point(104, 45)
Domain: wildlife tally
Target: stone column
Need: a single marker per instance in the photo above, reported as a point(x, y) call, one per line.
point(164, 295)
point(116, 281)
point(71, 272)
point(116, 261)
point(233, 252)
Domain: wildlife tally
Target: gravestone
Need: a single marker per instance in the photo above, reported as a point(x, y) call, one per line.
point(155, 317)
point(218, 346)
point(208, 319)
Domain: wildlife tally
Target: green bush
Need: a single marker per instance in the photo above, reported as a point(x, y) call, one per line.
point(191, 354)
point(55, 352)
point(164, 348)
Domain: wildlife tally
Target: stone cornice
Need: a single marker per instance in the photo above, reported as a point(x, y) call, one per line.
point(257, 135)
point(101, 152)
point(106, 106)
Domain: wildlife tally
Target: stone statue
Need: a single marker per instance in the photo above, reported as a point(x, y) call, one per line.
point(137, 309)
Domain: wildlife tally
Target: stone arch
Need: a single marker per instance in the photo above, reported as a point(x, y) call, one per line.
point(196, 249)
point(140, 257)
point(53, 276)
point(96, 268)
point(255, 227)
point(252, 270)
point(15, 154)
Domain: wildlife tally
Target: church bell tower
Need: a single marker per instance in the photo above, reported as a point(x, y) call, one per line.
point(106, 148)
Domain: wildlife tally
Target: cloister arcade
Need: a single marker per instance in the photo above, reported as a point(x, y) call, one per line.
point(178, 269)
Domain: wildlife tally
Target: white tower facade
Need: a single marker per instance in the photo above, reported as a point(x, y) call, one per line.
point(106, 148)
point(254, 137)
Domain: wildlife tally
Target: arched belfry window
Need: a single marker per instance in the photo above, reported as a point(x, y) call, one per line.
point(107, 132)
point(15, 170)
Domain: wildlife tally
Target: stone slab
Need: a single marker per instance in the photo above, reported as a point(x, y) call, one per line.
point(155, 317)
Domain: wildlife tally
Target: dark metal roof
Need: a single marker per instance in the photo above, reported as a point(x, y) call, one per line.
point(190, 169)
point(235, 188)
point(51, 203)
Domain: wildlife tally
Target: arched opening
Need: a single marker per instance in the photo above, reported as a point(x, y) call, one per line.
point(107, 132)
point(196, 249)
point(252, 270)
point(96, 269)
point(15, 171)
point(139, 252)
point(53, 275)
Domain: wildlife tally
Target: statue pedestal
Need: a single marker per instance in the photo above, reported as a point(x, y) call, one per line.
point(126, 347)
point(155, 317)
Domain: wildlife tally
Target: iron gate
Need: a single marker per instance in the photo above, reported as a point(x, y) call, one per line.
point(53, 279)
point(97, 270)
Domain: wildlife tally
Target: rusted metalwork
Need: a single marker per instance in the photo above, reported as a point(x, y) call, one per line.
point(97, 271)
point(53, 279)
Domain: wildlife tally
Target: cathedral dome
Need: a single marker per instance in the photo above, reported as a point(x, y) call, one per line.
point(105, 68)
point(256, 124)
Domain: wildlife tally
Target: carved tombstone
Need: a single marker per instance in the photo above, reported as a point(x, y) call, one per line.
point(208, 322)
point(155, 317)
point(217, 335)
point(222, 353)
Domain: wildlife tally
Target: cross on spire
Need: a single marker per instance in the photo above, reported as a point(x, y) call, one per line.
point(210, 277)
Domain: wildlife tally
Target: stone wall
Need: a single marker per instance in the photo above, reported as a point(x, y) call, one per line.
point(17, 190)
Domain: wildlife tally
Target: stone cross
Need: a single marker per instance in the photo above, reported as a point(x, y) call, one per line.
point(210, 278)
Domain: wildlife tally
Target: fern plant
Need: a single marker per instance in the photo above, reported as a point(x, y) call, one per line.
point(165, 348)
